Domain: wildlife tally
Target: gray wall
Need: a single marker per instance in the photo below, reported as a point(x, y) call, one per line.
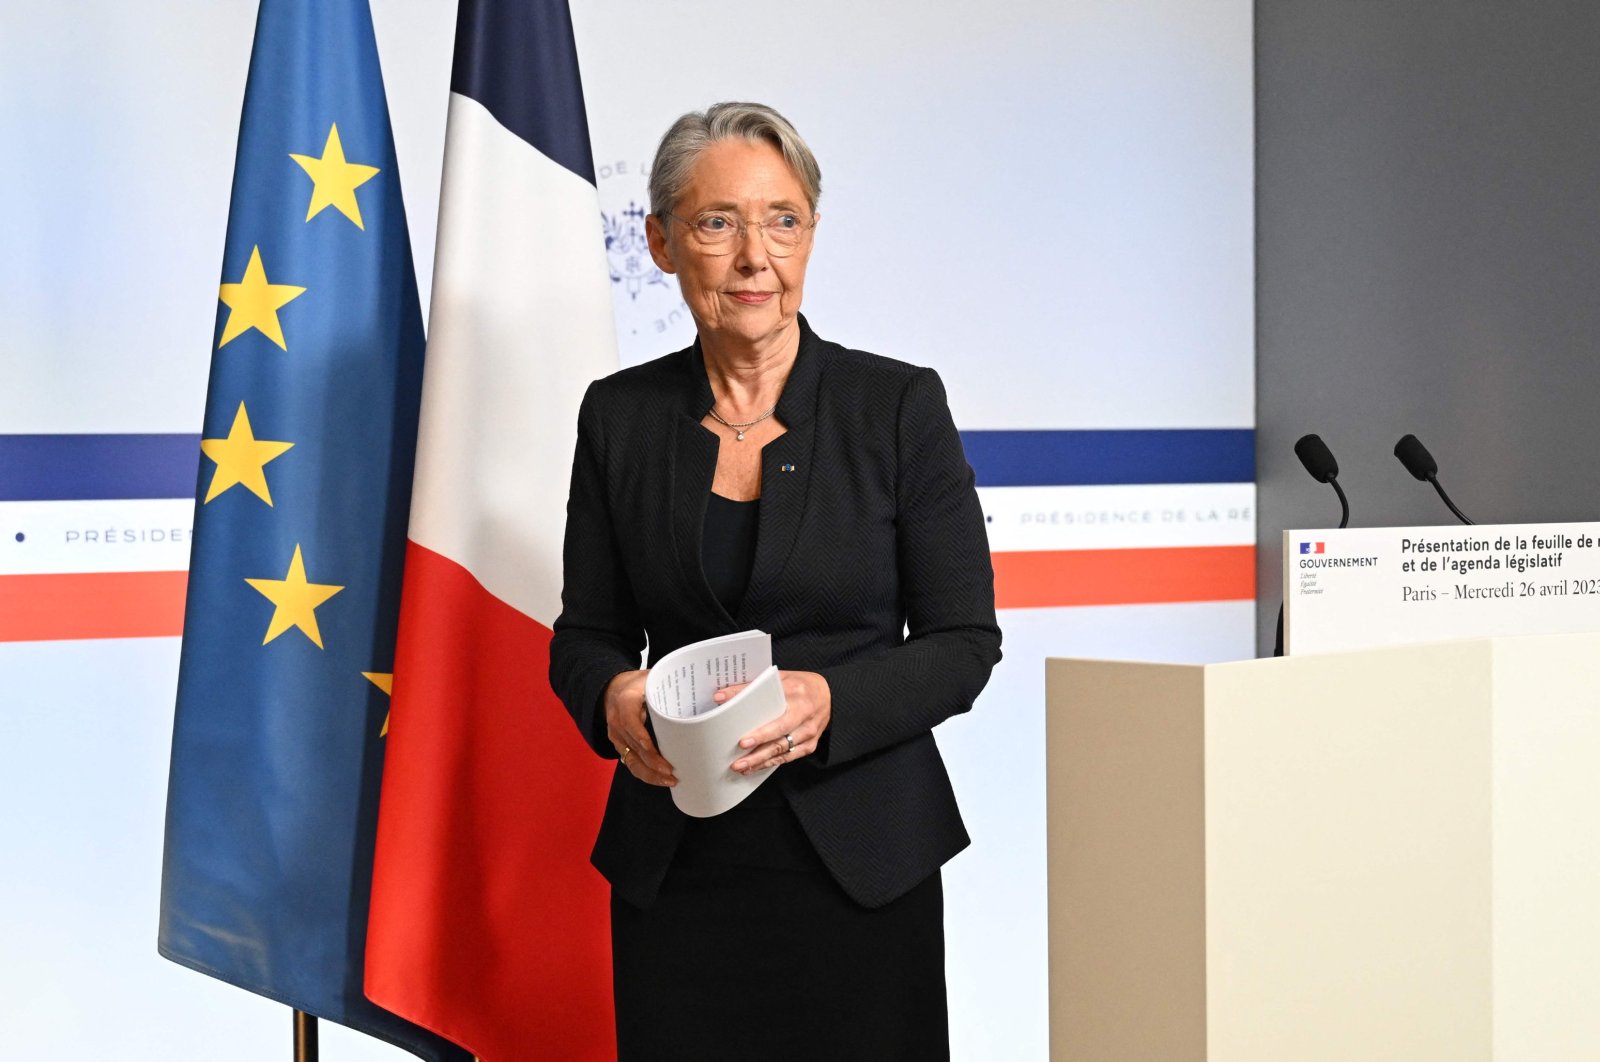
point(1428, 260)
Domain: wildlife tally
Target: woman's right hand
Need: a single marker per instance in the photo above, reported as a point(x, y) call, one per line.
point(625, 727)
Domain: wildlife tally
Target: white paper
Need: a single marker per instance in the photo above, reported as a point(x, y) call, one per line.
point(682, 682)
point(699, 737)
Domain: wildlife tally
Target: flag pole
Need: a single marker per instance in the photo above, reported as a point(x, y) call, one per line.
point(305, 1037)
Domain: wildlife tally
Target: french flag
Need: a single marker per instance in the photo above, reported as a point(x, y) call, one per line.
point(487, 923)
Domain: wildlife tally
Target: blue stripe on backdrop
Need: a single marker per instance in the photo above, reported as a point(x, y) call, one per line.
point(1094, 458)
point(92, 467)
point(71, 467)
point(496, 43)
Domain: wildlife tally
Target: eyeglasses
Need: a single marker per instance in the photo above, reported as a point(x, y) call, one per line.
point(719, 232)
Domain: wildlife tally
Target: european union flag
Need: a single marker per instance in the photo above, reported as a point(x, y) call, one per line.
point(299, 534)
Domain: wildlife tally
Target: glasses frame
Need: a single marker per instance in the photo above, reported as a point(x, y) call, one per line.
point(740, 233)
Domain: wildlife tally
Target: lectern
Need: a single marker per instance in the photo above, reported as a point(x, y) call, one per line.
point(1389, 854)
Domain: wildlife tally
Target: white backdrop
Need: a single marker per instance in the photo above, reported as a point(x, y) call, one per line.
point(1050, 202)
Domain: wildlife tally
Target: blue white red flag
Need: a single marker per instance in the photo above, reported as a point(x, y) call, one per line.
point(489, 925)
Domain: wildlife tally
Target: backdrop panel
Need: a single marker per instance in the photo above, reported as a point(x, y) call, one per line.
point(1050, 203)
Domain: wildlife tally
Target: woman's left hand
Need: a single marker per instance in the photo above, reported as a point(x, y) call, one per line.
point(793, 734)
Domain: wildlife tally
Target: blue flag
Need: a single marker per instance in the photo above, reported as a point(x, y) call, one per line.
point(299, 535)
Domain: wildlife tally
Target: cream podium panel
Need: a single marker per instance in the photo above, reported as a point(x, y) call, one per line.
point(1389, 854)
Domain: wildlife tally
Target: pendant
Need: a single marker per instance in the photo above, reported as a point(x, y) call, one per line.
point(741, 437)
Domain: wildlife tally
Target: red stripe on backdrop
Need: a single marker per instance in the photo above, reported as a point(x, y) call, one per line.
point(150, 604)
point(1056, 578)
point(42, 608)
point(487, 925)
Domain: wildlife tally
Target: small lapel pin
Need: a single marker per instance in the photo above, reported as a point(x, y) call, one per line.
point(786, 467)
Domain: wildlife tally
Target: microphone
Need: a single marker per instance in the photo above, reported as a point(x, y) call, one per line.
point(1420, 463)
point(1324, 468)
point(1320, 462)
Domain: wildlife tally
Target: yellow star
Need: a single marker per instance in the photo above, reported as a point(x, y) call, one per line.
point(386, 684)
point(334, 181)
point(255, 303)
point(241, 459)
point(296, 601)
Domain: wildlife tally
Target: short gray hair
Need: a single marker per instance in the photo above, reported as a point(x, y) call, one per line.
point(690, 135)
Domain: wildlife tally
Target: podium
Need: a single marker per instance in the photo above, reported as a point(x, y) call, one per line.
point(1388, 854)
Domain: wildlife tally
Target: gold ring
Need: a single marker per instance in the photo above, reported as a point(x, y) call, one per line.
point(625, 751)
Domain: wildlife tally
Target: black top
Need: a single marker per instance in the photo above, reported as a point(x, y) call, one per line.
point(729, 547)
point(871, 568)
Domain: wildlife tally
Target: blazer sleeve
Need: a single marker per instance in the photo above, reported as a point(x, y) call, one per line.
point(947, 583)
point(598, 634)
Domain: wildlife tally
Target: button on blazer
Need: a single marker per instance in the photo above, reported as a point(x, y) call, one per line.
point(871, 567)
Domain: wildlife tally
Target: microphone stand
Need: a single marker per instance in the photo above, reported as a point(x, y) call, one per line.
point(1446, 498)
point(1420, 463)
point(1344, 503)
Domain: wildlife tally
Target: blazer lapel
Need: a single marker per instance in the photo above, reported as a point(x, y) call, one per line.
point(785, 474)
point(694, 466)
point(785, 477)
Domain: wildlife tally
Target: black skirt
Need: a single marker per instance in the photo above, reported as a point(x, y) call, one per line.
point(753, 951)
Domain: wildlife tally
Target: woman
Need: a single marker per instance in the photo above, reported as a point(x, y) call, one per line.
point(766, 478)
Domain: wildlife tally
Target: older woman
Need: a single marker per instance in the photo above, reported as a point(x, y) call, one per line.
point(767, 478)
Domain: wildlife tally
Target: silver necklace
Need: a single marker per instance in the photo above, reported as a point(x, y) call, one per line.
point(739, 428)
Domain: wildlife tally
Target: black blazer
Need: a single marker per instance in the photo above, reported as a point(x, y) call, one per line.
point(869, 526)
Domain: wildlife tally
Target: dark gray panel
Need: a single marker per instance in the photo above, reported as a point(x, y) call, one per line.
point(1428, 260)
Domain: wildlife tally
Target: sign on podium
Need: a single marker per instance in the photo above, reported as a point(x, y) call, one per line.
point(1363, 588)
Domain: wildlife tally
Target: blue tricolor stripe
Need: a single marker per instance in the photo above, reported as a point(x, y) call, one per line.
point(1107, 457)
point(497, 43)
point(73, 467)
point(92, 467)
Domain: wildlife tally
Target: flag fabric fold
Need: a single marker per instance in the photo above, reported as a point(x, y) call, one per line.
point(488, 924)
point(303, 492)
